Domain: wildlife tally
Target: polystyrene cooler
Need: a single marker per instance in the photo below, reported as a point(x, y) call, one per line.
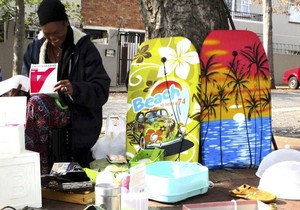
point(12, 121)
point(20, 180)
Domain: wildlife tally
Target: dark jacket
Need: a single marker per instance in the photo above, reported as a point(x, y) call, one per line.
point(90, 83)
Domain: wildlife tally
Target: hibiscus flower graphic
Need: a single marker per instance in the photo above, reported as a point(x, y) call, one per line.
point(179, 60)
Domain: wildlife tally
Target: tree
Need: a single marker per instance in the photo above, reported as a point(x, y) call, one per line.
point(16, 11)
point(191, 19)
point(19, 37)
point(268, 37)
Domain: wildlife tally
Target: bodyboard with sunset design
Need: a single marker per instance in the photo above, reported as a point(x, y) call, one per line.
point(163, 99)
point(236, 129)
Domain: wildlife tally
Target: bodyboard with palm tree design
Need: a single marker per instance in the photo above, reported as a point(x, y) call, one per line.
point(236, 127)
point(163, 99)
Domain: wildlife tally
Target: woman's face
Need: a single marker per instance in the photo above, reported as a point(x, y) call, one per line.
point(56, 32)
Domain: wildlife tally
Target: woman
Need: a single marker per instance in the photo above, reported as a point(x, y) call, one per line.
point(83, 86)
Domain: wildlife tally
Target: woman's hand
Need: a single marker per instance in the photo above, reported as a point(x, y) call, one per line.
point(64, 86)
point(16, 92)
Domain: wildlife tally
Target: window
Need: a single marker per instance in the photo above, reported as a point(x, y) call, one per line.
point(294, 13)
point(31, 33)
point(97, 35)
point(245, 6)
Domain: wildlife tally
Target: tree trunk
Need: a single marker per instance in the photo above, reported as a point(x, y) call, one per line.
point(19, 38)
point(268, 37)
point(191, 19)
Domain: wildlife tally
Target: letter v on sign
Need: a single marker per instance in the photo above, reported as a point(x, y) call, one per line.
point(37, 79)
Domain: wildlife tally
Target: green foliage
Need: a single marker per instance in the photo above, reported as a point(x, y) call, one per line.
point(74, 14)
point(8, 8)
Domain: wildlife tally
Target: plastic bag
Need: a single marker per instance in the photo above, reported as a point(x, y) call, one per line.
point(112, 131)
point(114, 140)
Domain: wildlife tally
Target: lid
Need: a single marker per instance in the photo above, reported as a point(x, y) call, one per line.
point(277, 156)
point(107, 189)
point(282, 179)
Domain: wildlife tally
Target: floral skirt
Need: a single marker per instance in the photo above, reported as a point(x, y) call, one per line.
point(42, 116)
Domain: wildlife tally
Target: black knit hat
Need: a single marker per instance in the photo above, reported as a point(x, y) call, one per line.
point(50, 11)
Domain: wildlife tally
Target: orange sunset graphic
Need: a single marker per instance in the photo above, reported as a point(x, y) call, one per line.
point(235, 100)
point(251, 73)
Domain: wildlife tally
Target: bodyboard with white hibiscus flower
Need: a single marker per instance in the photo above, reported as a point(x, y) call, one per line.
point(164, 99)
point(236, 129)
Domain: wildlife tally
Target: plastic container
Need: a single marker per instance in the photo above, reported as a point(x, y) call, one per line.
point(134, 201)
point(170, 181)
point(147, 156)
point(108, 196)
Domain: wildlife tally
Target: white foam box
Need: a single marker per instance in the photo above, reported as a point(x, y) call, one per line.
point(20, 180)
point(12, 139)
point(13, 110)
point(12, 121)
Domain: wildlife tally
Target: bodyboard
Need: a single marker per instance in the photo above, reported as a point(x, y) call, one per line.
point(163, 99)
point(236, 129)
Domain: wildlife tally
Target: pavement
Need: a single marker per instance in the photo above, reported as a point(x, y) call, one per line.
point(223, 179)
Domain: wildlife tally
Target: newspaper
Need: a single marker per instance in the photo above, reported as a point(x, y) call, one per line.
point(13, 83)
point(42, 79)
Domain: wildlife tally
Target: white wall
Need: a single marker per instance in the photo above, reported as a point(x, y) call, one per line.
point(110, 62)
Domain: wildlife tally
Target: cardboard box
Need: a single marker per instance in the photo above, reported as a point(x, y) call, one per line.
point(79, 198)
point(20, 180)
point(228, 205)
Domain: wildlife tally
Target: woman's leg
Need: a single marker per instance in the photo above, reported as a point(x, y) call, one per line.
point(42, 116)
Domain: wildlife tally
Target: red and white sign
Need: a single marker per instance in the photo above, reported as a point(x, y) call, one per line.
point(43, 77)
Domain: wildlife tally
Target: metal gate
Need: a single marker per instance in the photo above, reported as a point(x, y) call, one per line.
point(128, 45)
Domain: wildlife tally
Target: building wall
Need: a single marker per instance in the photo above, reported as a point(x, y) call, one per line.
point(284, 31)
point(6, 52)
point(282, 63)
point(112, 13)
point(115, 17)
point(110, 62)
